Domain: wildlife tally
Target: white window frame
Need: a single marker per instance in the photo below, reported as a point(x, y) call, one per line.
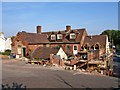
point(71, 36)
point(74, 47)
point(75, 51)
point(53, 37)
point(19, 50)
point(59, 36)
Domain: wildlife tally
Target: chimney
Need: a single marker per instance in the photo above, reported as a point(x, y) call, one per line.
point(68, 28)
point(39, 29)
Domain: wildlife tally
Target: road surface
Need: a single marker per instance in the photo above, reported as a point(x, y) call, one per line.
point(36, 76)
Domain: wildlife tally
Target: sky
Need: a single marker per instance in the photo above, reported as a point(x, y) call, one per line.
point(54, 16)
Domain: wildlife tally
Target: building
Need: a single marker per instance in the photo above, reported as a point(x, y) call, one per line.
point(53, 54)
point(41, 53)
point(72, 41)
point(8, 43)
point(94, 47)
point(2, 42)
point(5, 43)
point(44, 52)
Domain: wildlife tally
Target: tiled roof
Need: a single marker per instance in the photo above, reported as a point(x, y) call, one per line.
point(79, 33)
point(44, 52)
point(92, 40)
point(33, 37)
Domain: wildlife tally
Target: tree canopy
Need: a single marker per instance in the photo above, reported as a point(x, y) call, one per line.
point(113, 37)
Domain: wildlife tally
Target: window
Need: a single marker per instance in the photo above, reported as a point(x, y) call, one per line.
point(53, 37)
point(96, 47)
point(75, 47)
point(72, 36)
point(87, 46)
point(44, 45)
point(68, 47)
point(59, 36)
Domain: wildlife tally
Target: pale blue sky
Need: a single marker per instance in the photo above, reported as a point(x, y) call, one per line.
point(95, 17)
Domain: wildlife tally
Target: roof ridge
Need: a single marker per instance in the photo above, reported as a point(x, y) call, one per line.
point(64, 30)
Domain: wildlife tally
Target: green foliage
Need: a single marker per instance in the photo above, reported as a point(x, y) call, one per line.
point(15, 86)
point(7, 52)
point(37, 59)
point(113, 37)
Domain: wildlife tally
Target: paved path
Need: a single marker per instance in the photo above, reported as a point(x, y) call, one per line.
point(35, 76)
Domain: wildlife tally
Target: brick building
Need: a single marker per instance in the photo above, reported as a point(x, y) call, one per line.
point(72, 41)
point(94, 47)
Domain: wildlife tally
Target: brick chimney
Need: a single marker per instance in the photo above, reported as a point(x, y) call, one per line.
point(39, 29)
point(68, 28)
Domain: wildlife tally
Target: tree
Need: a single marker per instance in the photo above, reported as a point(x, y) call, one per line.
point(113, 37)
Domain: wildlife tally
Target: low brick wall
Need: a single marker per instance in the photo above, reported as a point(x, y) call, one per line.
point(4, 57)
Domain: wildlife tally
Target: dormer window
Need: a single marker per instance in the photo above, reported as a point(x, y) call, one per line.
point(53, 37)
point(59, 36)
point(72, 36)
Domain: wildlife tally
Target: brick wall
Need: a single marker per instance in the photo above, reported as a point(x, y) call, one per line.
point(93, 55)
point(56, 61)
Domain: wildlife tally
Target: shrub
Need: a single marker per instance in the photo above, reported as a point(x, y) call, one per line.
point(15, 86)
point(7, 52)
point(37, 59)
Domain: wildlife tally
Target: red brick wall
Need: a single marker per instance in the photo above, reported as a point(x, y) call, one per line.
point(33, 47)
point(93, 55)
point(56, 61)
point(96, 54)
point(53, 60)
point(102, 51)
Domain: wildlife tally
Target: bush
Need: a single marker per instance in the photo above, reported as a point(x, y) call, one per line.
point(37, 59)
point(7, 52)
point(15, 86)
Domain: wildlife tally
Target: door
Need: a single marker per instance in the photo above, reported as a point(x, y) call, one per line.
point(24, 52)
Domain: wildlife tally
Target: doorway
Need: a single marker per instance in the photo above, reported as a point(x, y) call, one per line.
point(24, 52)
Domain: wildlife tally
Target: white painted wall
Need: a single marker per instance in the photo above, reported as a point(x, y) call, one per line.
point(5, 43)
point(107, 45)
point(62, 54)
point(2, 42)
point(8, 43)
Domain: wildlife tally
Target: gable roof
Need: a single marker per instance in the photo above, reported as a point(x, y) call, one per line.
point(94, 39)
point(44, 52)
point(62, 54)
